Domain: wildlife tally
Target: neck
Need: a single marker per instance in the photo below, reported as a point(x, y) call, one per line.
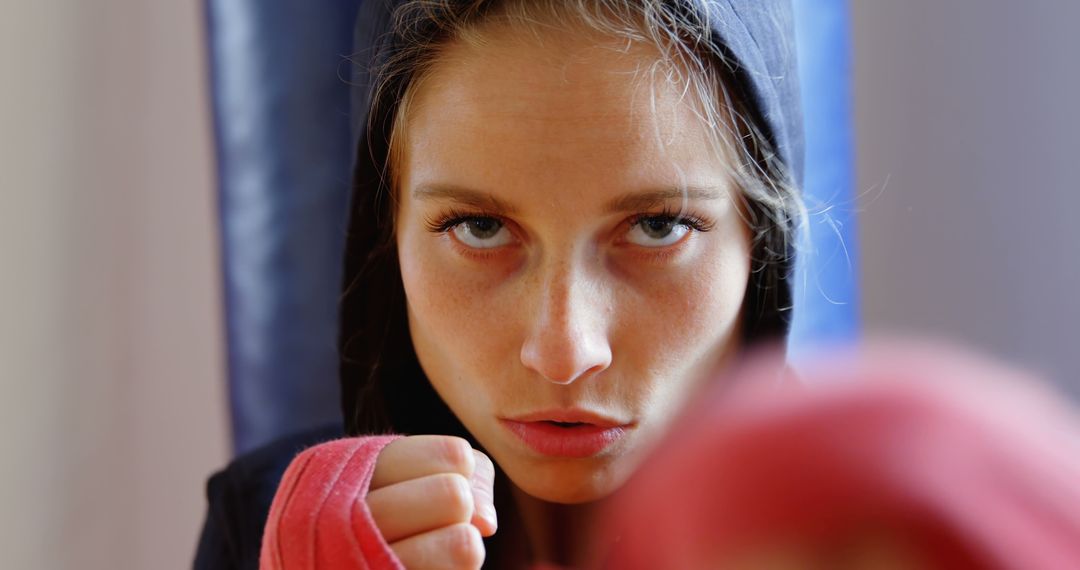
point(555, 533)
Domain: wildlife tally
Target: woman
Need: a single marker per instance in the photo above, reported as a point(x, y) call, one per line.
point(565, 215)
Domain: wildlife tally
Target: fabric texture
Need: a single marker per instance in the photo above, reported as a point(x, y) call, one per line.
point(319, 519)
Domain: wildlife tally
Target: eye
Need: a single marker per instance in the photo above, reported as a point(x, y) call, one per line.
point(482, 232)
point(658, 231)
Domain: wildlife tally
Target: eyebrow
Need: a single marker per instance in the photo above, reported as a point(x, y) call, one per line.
point(638, 201)
point(629, 202)
point(464, 196)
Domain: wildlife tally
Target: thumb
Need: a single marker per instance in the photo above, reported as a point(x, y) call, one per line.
point(483, 488)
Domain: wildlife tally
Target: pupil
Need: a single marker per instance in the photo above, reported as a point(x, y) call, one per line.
point(658, 227)
point(484, 227)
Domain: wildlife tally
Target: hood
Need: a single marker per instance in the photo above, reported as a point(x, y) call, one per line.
point(757, 35)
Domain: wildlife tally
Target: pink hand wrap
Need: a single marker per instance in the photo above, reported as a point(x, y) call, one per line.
point(319, 519)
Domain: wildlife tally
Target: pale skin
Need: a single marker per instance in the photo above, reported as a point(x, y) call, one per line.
point(563, 243)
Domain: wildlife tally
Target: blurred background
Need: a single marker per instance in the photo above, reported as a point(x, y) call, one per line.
point(113, 352)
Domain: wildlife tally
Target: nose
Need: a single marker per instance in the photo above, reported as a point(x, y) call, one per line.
point(568, 339)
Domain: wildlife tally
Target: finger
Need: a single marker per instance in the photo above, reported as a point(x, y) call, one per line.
point(448, 548)
point(421, 505)
point(483, 488)
point(422, 455)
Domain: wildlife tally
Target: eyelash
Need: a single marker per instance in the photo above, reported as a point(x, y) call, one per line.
point(696, 223)
point(452, 218)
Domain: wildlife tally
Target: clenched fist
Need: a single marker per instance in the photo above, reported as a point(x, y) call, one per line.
point(432, 498)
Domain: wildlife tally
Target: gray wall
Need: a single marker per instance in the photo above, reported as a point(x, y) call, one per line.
point(967, 113)
point(111, 362)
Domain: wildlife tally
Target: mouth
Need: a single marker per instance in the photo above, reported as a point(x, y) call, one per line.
point(567, 433)
point(565, 424)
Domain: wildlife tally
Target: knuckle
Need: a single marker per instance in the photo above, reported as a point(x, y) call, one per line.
point(456, 495)
point(457, 453)
point(484, 464)
point(464, 547)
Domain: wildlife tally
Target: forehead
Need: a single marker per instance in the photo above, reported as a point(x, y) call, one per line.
point(568, 110)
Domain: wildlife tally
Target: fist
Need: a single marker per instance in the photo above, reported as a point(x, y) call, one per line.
point(432, 498)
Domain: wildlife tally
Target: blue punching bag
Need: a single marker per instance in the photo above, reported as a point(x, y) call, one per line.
point(283, 160)
point(826, 274)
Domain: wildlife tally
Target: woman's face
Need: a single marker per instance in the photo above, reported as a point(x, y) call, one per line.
point(547, 272)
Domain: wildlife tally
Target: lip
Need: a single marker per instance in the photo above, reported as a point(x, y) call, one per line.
point(592, 434)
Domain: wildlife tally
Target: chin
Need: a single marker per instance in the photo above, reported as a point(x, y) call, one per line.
point(567, 481)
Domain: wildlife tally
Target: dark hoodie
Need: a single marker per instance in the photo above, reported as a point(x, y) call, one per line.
point(757, 38)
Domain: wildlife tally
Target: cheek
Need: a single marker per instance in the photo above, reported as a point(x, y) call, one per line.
point(457, 324)
point(684, 316)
